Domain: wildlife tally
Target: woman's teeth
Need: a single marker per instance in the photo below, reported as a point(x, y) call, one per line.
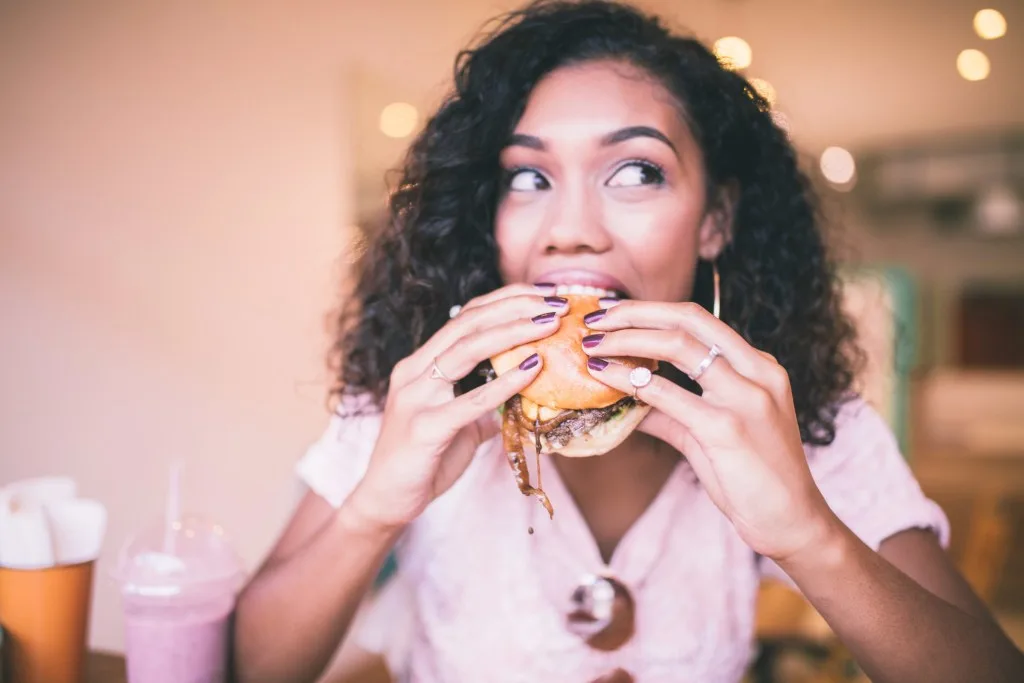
point(586, 290)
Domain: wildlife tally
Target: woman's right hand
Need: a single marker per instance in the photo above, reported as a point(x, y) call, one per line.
point(428, 435)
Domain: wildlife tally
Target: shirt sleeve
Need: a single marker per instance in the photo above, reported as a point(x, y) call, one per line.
point(335, 463)
point(388, 622)
point(868, 484)
point(332, 467)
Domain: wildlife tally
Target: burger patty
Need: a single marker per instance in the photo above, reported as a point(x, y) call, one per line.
point(560, 429)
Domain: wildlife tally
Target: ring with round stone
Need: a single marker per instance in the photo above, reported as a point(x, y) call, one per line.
point(639, 377)
point(454, 310)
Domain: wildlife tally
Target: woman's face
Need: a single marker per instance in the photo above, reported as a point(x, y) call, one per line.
point(605, 187)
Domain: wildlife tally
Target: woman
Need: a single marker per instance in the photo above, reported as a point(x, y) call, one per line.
point(585, 144)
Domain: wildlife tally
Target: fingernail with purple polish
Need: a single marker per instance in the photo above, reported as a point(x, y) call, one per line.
point(597, 315)
point(607, 302)
point(556, 301)
point(530, 363)
point(592, 340)
point(544, 318)
point(597, 364)
point(545, 287)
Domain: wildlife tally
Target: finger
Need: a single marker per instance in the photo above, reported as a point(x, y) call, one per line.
point(499, 311)
point(676, 402)
point(672, 346)
point(488, 426)
point(516, 289)
point(715, 425)
point(473, 405)
point(687, 316)
point(463, 446)
point(661, 426)
point(467, 353)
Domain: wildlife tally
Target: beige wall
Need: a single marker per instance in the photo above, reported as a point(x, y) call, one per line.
point(173, 197)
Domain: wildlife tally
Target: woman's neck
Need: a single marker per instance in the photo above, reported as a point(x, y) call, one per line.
point(639, 456)
point(613, 490)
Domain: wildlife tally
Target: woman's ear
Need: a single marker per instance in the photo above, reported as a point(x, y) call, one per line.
point(716, 229)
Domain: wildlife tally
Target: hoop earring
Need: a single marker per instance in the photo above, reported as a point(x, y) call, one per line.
point(716, 309)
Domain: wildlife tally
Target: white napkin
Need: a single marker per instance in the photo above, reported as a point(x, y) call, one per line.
point(76, 529)
point(43, 523)
point(25, 537)
point(41, 490)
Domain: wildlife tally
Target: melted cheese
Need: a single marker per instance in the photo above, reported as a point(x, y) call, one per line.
point(530, 411)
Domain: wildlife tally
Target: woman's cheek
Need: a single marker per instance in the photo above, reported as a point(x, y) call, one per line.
point(661, 241)
point(516, 228)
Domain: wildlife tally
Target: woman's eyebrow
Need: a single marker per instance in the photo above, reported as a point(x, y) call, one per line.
point(528, 141)
point(631, 132)
point(613, 138)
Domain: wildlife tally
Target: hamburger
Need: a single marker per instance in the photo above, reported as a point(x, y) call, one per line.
point(565, 410)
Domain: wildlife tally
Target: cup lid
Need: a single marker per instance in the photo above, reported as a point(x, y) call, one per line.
point(190, 556)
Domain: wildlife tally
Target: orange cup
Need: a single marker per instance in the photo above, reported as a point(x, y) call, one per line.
point(45, 615)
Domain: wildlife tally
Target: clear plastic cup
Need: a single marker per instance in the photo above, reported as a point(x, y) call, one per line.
point(178, 587)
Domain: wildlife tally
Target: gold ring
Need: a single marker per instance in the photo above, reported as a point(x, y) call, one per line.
point(436, 373)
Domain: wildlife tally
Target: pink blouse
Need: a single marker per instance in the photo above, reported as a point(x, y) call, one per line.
point(478, 598)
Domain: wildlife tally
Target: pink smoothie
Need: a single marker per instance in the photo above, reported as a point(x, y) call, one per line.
point(177, 645)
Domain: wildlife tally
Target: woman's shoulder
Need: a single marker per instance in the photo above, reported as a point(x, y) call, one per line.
point(354, 414)
point(858, 425)
point(866, 478)
point(352, 427)
point(864, 447)
point(338, 459)
point(335, 462)
point(867, 482)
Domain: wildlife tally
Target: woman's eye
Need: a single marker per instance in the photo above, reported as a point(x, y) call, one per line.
point(637, 173)
point(526, 180)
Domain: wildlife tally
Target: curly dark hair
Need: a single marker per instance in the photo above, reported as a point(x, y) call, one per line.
point(437, 246)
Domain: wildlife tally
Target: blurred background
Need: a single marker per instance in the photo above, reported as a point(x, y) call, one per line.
point(182, 186)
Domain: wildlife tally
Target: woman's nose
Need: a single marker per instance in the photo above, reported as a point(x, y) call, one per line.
point(576, 225)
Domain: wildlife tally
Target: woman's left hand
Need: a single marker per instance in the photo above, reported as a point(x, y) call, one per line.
point(741, 437)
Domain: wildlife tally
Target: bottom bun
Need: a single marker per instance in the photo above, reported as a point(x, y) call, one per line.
point(602, 438)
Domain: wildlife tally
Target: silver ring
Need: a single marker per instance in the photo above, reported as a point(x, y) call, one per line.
point(713, 353)
point(454, 310)
point(639, 377)
point(436, 373)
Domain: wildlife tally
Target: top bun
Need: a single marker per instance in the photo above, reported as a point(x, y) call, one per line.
point(564, 382)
